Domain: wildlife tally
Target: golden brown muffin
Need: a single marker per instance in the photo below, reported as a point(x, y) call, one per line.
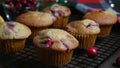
point(13, 36)
point(85, 26)
point(104, 18)
point(62, 14)
point(36, 20)
point(85, 31)
point(55, 46)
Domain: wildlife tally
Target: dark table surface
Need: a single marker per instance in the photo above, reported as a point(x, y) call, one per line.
point(110, 62)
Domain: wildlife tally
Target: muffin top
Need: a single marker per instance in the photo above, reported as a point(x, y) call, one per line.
point(58, 10)
point(85, 26)
point(36, 19)
point(101, 17)
point(14, 30)
point(55, 39)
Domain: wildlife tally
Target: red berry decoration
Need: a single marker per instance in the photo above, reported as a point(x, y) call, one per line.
point(52, 0)
point(34, 2)
point(118, 60)
point(7, 1)
point(32, 7)
point(18, 1)
point(24, 2)
point(92, 52)
point(11, 4)
point(21, 5)
point(50, 42)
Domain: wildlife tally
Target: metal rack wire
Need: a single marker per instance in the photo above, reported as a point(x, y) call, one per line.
point(27, 58)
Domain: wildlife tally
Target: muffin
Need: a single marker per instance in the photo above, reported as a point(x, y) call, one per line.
point(105, 19)
point(85, 31)
point(61, 13)
point(36, 20)
point(13, 36)
point(55, 46)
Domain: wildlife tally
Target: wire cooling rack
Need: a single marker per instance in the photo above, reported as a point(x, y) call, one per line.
point(27, 58)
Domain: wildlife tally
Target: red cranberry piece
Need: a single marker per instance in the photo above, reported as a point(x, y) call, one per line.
point(46, 0)
point(61, 13)
point(18, 1)
point(10, 4)
point(19, 5)
point(118, 60)
point(52, 0)
point(32, 7)
point(24, 2)
point(10, 24)
point(34, 2)
point(92, 52)
point(7, 1)
point(50, 42)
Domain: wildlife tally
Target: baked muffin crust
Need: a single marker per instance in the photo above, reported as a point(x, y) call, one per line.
point(36, 19)
point(58, 10)
point(101, 17)
point(55, 39)
point(85, 26)
point(14, 30)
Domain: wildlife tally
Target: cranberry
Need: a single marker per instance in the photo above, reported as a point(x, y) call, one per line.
point(61, 13)
point(22, 5)
point(32, 7)
point(50, 42)
point(11, 4)
point(46, 0)
point(19, 5)
point(7, 1)
point(118, 60)
point(92, 52)
point(18, 1)
point(24, 2)
point(34, 2)
point(52, 0)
